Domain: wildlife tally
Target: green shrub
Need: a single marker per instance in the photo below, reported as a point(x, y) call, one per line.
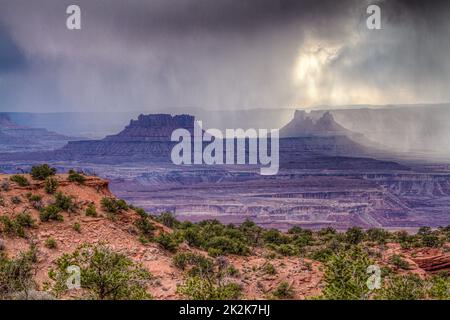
point(354, 235)
point(198, 264)
point(167, 241)
point(398, 261)
point(346, 275)
point(402, 287)
point(322, 254)
point(50, 185)
point(144, 240)
point(105, 274)
point(8, 224)
point(25, 220)
point(77, 227)
point(197, 288)
point(214, 252)
point(17, 225)
point(215, 237)
point(283, 291)
point(12, 227)
point(91, 211)
point(405, 240)
point(252, 232)
point(167, 219)
point(201, 266)
point(301, 237)
point(51, 212)
point(34, 197)
point(269, 269)
point(287, 249)
point(20, 180)
point(232, 271)
point(226, 245)
point(445, 232)
point(75, 176)
point(327, 233)
point(429, 238)
point(180, 260)
point(141, 212)
point(440, 287)
point(378, 235)
point(51, 243)
point(42, 172)
point(145, 227)
point(193, 237)
point(113, 206)
point(65, 203)
point(16, 275)
point(274, 236)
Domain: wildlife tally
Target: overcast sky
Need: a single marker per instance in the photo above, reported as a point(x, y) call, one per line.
point(221, 54)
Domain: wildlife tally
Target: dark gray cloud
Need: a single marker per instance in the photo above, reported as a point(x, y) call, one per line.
point(11, 58)
point(221, 54)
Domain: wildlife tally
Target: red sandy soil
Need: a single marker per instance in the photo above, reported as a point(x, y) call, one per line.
point(304, 275)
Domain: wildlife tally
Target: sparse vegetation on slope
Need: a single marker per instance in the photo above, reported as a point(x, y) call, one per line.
point(16, 275)
point(105, 274)
point(113, 206)
point(42, 172)
point(51, 185)
point(205, 260)
point(91, 211)
point(75, 176)
point(208, 279)
point(20, 180)
point(50, 212)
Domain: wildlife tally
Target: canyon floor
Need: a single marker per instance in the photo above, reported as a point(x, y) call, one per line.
point(313, 198)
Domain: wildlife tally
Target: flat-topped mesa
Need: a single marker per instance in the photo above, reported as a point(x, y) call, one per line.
point(146, 139)
point(153, 127)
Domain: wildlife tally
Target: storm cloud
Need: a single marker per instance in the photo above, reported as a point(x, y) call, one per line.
point(222, 54)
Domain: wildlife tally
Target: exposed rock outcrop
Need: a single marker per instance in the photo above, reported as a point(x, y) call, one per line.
point(438, 263)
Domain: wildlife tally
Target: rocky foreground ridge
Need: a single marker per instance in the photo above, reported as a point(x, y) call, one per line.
point(121, 235)
point(57, 217)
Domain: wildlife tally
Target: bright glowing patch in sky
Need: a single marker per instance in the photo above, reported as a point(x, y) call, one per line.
point(310, 67)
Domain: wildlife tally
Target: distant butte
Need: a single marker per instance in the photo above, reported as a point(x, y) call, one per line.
point(303, 125)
